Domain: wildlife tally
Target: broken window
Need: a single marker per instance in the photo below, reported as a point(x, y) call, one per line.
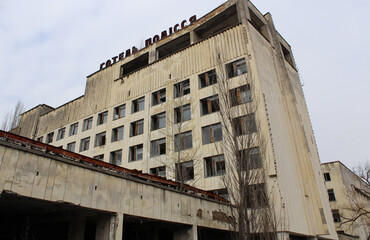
point(40, 139)
point(182, 113)
point(183, 141)
point(102, 117)
point(240, 95)
point(336, 215)
point(250, 159)
point(159, 97)
point(158, 147)
point(207, 79)
point(331, 195)
point(100, 139)
point(137, 128)
point(182, 88)
point(184, 171)
point(159, 171)
point(327, 177)
point(84, 144)
point(256, 196)
point(212, 133)
point(158, 121)
point(116, 157)
point(99, 157)
point(245, 124)
point(134, 64)
point(136, 153)
point(49, 137)
point(236, 68)
point(138, 105)
point(117, 133)
point(214, 166)
point(61, 133)
point(87, 124)
point(71, 146)
point(173, 46)
point(73, 128)
point(209, 105)
point(119, 112)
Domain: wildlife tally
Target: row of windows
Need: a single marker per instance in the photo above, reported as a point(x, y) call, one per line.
point(238, 96)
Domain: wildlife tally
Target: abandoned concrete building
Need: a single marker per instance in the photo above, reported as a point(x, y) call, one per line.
point(144, 106)
point(349, 199)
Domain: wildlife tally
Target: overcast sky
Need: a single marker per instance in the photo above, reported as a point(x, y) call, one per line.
point(47, 48)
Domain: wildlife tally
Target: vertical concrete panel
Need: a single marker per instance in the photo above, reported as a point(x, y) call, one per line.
point(60, 180)
point(39, 184)
point(167, 203)
point(138, 199)
point(25, 174)
point(148, 201)
point(87, 188)
point(125, 196)
point(102, 195)
point(114, 194)
point(74, 185)
point(50, 179)
point(8, 168)
point(2, 153)
point(185, 205)
point(176, 207)
point(96, 187)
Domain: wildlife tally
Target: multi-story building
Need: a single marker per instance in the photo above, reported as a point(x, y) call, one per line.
point(349, 198)
point(133, 106)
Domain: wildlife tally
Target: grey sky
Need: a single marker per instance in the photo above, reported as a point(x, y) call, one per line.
point(47, 48)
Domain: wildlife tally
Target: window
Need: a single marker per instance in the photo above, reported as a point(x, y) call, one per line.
point(184, 171)
point(182, 88)
point(99, 157)
point(73, 129)
point(116, 157)
point(209, 105)
point(138, 105)
point(84, 145)
point(102, 117)
point(40, 139)
point(236, 68)
point(159, 97)
point(240, 95)
point(49, 137)
point(183, 141)
point(287, 55)
point(336, 215)
point(256, 196)
point(250, 158)
point(136, 153)
point(159, 171)
point(222, 193)
point(100, 139)
point(158, 121)
point(87, 124)
point(245, 124)
point(214, 166)
point(71, 146)
point(158, 147)
point(61, 133)
point(327, 177)
point(212, 133)
point(117, 134)
point(119, 112)
point(182, 113)
point(207, 79)
point(331, 195)
point(137, 128)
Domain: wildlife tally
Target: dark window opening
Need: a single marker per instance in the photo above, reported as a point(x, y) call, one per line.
point(182, 113)
point(327, 177)
point(331, 195)
point(138, 105)
point(256, 196)
point(221, 22)
point(173, 46)
point(61, 133)
point(158, 147)
point(212, 133)
point(214, 166)
point(119, 112)
point(134, 64)
point(49, 137)
point(117, 134)
point(71, 146)
point(336, 215)
point(240, 95)
point(73, 129)
point(209, 105)
point(136, 153)
point(116, 157)
point(100, 139)
point(159, 171)
point(258, 24)
point(102, 118)
point(99, 157)
point(84, 144)
point(137, 128)
point(236, 68)
point(221, 192)
point(182, 88)
point(245, 125)
point(158, 121)
point(250, 159)
point(159, 97)
point(184, 171)
point(207, 79)
point(183, 141)
point(87, 124)
point(287, 55)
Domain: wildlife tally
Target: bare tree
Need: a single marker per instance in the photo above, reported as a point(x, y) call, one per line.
point(11, 119)
point(244, 150)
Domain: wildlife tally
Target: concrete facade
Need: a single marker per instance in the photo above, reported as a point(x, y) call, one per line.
point(235, 31)
point(347, 193)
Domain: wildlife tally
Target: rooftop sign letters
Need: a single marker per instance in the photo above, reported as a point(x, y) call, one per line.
point(149, 42)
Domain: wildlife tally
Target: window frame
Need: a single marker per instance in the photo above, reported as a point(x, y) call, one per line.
point(115, 157)
point(212, 166)
point(183, 138)
point(182, 113)
point(100, 139)
point(236, 68)
point(87, 124)
point(49, 138)
point(119, 112)
point(136, 153)
point(244, 125)
point(188, 170)
point(61, 133)
point(71, 146)
point(138, 105)
point(157, 145)
point(207, 78)
point(102, 118)
point(209, 105)
point(158, 170)
point(135, 128)
point(116, 133)
point(210, 130)
point(240, 95)
point(181, 88)
point(159, 97)
point(84, 144)
point(156, 121)
point(331, 195)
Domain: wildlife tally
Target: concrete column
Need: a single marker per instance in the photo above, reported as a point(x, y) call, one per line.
point(152, 55)
point(106, 227)
point(119, 226)
point(76, 229)
point(189, 233)
point(193, 37)
point(282, 236)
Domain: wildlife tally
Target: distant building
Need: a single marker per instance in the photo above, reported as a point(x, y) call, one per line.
point(347, 194)
point(132, 105)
